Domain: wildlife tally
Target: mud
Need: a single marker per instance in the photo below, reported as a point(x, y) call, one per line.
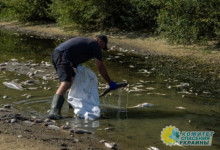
point(25, 132)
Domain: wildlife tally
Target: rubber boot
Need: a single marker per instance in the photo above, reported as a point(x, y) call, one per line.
point(56, 105)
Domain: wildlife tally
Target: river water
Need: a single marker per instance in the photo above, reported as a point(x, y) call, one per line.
point(132, 128)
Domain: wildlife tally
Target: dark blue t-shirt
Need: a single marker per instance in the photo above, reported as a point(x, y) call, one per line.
point(80, 49)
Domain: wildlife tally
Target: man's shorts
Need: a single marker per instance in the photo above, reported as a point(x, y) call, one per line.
point(63, 68)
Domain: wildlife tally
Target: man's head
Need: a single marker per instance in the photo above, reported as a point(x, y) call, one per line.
point(103, 41)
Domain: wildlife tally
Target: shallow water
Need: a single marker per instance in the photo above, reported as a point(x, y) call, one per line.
point(133, 128)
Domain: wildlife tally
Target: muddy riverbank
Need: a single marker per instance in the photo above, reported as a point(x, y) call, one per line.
point(25, 131)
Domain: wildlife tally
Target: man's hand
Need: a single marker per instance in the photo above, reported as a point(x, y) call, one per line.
point(103, 71)
point(113, 85)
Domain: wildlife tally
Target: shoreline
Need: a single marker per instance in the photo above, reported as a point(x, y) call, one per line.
point(207, 54)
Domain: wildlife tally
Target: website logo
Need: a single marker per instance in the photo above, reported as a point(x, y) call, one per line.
point(170, 135)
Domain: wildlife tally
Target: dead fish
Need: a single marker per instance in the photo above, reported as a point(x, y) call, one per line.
point(183, 85)
point(20, 136)
point(47, 77)
point(5, 96)
point(150, 88)
point(121, 84)
point(28, 82)
point(53, 127)
point(80, 131)
point(13, 85)
point(4, 110)
point(180, 107)
point(13, 120)
point(14, 59)
point(102, 141)
point(142, 105)
point(109, 128)
point(38, 121)
point(7, 106)
point(48, 64)
point(65, 127)
point(110, 145)
point(152, 148)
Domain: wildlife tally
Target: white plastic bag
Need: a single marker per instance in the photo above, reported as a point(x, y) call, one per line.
point(83, 95)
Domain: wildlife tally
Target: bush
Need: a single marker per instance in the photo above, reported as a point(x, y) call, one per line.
point(181, 21)
point(7, 11)
point(33, 10)
point(143, 15)
point(2, 5)
point(102, 14)
point(83, 14)
point(185, 21)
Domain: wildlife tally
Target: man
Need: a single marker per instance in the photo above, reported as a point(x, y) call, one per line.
point(68, 55)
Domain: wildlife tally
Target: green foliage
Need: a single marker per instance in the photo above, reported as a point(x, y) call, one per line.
point(7, 11)
point(102, 14)
point(2, 5)
point(33, 10)
point(26, 10)
point(185, 21)
point(83, 14)
point(180, 21)
point(143, 15)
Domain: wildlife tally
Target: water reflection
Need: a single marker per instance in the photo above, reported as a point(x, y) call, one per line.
point(81, 123)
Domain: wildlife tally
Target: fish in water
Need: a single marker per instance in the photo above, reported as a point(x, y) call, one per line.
point(111, 145)
point(13, 85)
point(142, 105)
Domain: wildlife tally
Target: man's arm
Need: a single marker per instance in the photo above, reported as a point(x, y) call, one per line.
point(102, 70)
